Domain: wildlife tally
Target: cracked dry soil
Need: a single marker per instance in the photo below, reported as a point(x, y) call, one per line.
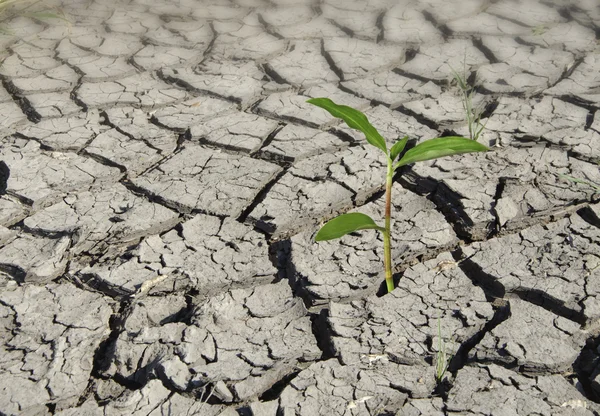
point(162, 178)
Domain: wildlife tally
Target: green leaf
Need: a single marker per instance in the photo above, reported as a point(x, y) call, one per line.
point(345, 224)
point(353, 118)
point(576, 180)
point(442, 146)
point(45, 15)
point(398, 147)
point(459, 80)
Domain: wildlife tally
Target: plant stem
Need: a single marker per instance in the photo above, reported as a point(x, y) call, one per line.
point(387, 248)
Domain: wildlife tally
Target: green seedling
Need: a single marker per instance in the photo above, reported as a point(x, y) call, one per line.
point(539, 30)
point(396, 158)
point(576, 180)
point(472, 115)
point(24, 8)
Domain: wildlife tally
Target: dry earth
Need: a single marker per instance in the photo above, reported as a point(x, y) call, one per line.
point(162, 178)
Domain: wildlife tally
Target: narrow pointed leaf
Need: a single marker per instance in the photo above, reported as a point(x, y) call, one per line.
point(45, 15)
point(576, 180)
point(345, 224)
point(398, 147)
point(442, 146)
point(459, 80)
point(353, 118)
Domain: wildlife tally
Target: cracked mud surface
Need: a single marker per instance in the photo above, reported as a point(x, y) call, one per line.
point(162, 179)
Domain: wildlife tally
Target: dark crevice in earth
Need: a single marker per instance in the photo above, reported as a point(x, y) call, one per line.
point(267, 27)
point(562, 11)
point(551, 304)
point(178, 130)
point(257, 200)
point(496, 290)
point(104, 161)
point(589, 216)
point(88, 392)
point(410, 75)
point(106, 122)
point(354, 197)
point(246, 411)
point(73, 93)
point(485, 51)
point(524, 42)
point(43, 146)
point(445, 30)
point(90, 281)
point(490, 285)
point(410, 53)
point(253, 107)
point(182, 138)
point(103, 354)
point(37, 232)
point(279, 117)
point(517, 94)
point(490, 107)
point(579, 156)
point(349, 32)
point(461, 358)
point(375, 196)
point(211, 44)
point(499, 191)
point(20, 100)
point(587, 368)
point(298, 283)
point(15, 272)
point(229, 149)
point(22, 199)
point(567, 71)
point(276, 389)
point(185, 314)
point(4, 176)
point(573, 10)
point(589, 120)
point(345, 89)
point(580, 102)
point(279, 255)
point(511, 20)
point(345, 137)
point(447, 202)
point(322, 333)
point(152, 197)
point(273, 75)
point(316, 7)
point(269, 139)
point(194, 90)
point(281, 160)
point(419, 117)
point(131, 61)
point(379, 25)
point(332, 65)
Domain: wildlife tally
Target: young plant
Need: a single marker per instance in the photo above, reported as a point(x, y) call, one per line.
point(24, 8)
point(429, 149)
point(577, 180)
point(472, 115)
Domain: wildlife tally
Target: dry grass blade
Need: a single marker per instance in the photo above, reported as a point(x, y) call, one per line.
point(472, 115)
point(23, 8)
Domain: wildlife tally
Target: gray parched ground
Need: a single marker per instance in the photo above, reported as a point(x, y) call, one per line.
point(162, 179)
